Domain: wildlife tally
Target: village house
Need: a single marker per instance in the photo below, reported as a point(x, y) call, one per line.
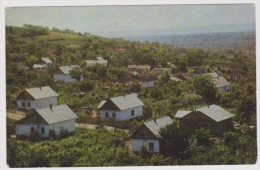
point(93, 63)
point(213, 117)
point(220, 82)
point(46, 121)
point(121, 108)
point(64, 74)
point(139, 68)
point(148, 135)
point(43, 62)
point(160, 71)
point(199, 70)
point(38, 97)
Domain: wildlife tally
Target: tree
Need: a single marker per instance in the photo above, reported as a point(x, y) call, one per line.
point(203, 136)
point(76, 73)
point(175, 139)
point(191, 101)
point(204, 86)
point(166, 76)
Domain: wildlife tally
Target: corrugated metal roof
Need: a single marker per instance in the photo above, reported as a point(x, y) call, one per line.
point(100, 58)
point(157, 124)
point(41, 92)
point(215, 112)
point(125, 102)
point(67, 69)
point(46, 60)
point(58, 113)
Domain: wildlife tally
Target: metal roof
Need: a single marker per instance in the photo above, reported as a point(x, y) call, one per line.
point(219, 81)
point(67, 69)
point(41, 92)
point(56, 114)
point(37, 66)
point(215, 112)
point(46, 60)
point(125, 102)
point(156, 124)
point(100, 58)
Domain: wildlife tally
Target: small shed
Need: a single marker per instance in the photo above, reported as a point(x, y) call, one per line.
point(64, 73)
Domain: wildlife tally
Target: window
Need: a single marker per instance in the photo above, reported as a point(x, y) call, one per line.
point(114, 115)
point(42, 130)
point(28, 104)
point(151, 146)
point(132, 112)
point(23, 104)
point(32, 129)
point(106, 115)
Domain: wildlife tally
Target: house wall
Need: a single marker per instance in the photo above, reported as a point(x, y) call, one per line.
point(68, 126)
point(224, 88)
point(122, 115)
point(25, 129)
point(63, 77)
point(136, 145)
point(38, 103)
point(148, 84)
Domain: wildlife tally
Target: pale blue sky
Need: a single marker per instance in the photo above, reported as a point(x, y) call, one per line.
point(125, 20)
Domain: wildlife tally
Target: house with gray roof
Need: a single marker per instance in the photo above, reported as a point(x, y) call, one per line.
point(220, 82)
point(46, 121)
point(93, 63)
point(148, 135)
point(42, 63)
point(38, 97)
point(64, 73)
point(213, 117)
point(121, 108)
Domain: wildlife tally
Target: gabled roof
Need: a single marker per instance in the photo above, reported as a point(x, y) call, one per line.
point(56, 114)
point(41, 92)
point(46, 60)
point(100, 60)
point(49, 115)
point(156, 124)
point(214, 112)
point(124, 102)
point(67, 69)
point(38, 66)
point(142, 67)
point(219, 81)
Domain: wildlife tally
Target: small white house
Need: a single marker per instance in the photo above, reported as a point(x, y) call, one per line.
point(50, 120)
point(38, 97)
point(64, 74)
point(148, 135)
point(93, 63)
point(121, 108)
point(220, 82)
point(43, 63)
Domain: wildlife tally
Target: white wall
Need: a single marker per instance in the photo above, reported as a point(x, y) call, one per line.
point(39, 103)
point(148, 84)
point(124, 114)
point(26, 129)
point(63, 77)
point(66, 125)
point(225, 88)
point(138, 143)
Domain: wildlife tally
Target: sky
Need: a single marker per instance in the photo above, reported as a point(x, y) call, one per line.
point(114, 21)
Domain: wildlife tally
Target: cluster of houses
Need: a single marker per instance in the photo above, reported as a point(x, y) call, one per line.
point(50, 118)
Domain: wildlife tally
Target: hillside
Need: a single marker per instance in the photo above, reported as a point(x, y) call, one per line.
point(180, 80)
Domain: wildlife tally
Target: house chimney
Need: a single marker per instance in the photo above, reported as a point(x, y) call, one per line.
point(155, 121)
point(51, 107)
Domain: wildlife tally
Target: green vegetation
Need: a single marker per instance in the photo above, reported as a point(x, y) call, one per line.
point(100, 147)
